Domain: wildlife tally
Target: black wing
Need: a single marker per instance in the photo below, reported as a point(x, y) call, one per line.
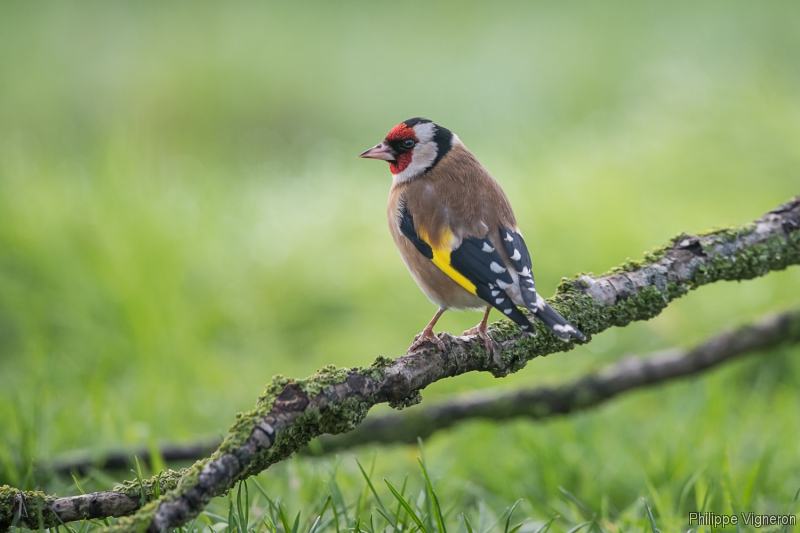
point(521, 263)
point(476, 260)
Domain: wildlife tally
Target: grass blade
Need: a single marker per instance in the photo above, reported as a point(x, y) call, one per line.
point(791, 508)
point(399, 507)
point(402, 501)
point(544, 528)
point(385, 513)
point(77, 483)
point(315, 524)
point(138, 473)
point(650, 516)
point(433, 500)
point(467, 524)
point(586, 511)
point(578, 527)
point(510, 514)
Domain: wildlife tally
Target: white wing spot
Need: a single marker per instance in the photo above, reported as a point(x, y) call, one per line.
point(508, 237)
point(526, 272)
point(499, 301)
point(507, 311)
point(502, 284)
point(540, 303)
point(497, 269)
point(495, 293)
point(486, 248)
point(516, 256)
point(563, 328)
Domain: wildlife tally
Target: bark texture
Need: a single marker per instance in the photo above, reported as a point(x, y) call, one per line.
point(591, 390)
point(292, 412)
point(588, 391)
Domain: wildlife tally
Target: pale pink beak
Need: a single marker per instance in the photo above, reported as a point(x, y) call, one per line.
point(381, 151)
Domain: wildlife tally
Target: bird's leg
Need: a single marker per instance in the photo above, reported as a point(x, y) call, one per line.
point(480, 331)
point(428, 334)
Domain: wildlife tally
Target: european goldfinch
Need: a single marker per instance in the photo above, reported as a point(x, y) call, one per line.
point(456, 232)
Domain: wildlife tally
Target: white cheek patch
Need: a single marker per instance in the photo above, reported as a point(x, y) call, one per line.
point(423, 156)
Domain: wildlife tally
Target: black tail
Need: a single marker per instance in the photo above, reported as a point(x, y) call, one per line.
point(557, 323)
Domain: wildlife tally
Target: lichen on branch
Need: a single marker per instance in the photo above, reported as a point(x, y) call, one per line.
point(291, 412)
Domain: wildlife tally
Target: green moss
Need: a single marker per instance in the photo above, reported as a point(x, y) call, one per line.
point(172, 485)
point(504, 330)
point(336, 418)
point(246, 421)
point(729, 232)
point(650, 258)
point(166, 481)
point(583, 311)
point(376, 370)
point(273, 388)
point(478, 351)
point(137, 523)
point(311, 423)
point(414, 399)
point(190, 478)
point(37, 505)
point(7, 495)
point(325, 377)
point(752, 262)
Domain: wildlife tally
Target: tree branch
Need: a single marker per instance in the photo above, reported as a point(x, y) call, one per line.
point(535, 403)
point(589, 391)
point(82, 462)
point(291, 412)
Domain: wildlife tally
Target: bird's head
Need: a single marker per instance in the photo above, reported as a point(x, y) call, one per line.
point(413, 147)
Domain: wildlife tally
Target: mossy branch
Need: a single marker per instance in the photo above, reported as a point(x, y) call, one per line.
point(291, 412)
point(535, 403)
point(588, 391)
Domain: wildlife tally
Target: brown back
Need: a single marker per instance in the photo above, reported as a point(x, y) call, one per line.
point(457, 194)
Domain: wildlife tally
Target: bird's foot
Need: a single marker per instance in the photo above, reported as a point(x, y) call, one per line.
point(482, 332)
point(426, 335)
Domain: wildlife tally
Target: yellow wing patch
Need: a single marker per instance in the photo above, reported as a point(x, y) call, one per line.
point(441, 258)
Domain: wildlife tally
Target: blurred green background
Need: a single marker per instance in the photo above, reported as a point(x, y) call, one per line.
point(182, 215)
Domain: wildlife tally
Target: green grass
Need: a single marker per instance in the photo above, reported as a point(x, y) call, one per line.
point(182, 216)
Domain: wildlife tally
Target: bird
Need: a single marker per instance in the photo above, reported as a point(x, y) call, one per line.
point(456, 232)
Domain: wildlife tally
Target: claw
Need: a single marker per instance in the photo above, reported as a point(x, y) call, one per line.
point(481, 331)
point(427, 335)
point(483, 334)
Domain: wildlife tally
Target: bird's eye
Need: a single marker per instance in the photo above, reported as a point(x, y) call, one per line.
point(409, 143)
